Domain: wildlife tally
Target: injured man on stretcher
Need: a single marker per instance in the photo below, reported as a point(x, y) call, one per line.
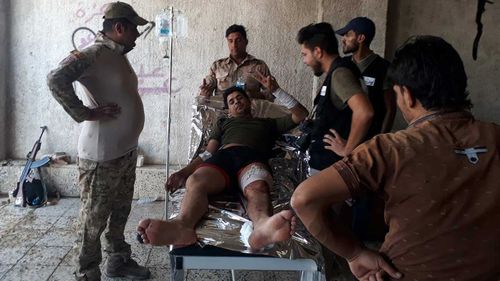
point(235, 159)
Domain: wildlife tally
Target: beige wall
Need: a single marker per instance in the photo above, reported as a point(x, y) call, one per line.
point(454, 20)
point(39, 43)
point(341, 11)
point(4, 7)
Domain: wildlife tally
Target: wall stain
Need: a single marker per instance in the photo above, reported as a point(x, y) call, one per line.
point(481, 8)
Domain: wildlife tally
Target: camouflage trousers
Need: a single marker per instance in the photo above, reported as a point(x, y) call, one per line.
point(106, 191)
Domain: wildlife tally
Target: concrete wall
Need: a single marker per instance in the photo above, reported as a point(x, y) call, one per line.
point(149, 179)
point(41, 37)
point(454, 20)
point(341, 11)
point(4, 22)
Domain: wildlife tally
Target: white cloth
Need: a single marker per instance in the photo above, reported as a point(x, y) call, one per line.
point(285, 99)
point(255, 173)
point(245, 232)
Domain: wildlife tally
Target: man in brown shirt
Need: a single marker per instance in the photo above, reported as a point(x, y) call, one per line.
point(438, 179)
point(237, 69)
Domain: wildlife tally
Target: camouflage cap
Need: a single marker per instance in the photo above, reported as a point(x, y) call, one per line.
point(118, 9)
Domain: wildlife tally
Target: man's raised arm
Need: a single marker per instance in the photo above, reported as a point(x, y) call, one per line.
point(209, 83)
point(299, 112)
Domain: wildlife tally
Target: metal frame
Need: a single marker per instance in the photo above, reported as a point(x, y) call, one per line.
point(169, 106)
point(180, 264)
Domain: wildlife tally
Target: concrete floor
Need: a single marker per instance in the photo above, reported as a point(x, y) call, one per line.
point(37, 244)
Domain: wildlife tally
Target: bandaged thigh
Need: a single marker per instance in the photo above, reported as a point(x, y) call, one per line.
point(253, 174)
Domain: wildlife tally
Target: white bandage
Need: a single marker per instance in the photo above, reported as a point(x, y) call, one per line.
point(255, 173)
point(205, 155)
point(285, 99)
point(245, 232)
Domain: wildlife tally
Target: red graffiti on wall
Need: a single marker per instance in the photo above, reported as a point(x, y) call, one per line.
point(87, 16)
point(154, 81)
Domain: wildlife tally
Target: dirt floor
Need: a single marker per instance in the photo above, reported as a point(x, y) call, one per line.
point(37, 244)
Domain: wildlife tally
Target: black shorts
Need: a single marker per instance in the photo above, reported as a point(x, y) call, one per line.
point(230, 161)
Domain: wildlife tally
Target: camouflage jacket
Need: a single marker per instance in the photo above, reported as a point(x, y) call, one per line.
point(224, 73)
point(60, 80)
point(107, 77)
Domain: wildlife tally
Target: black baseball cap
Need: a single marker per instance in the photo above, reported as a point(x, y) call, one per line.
point(362, 25)
point(118, 9)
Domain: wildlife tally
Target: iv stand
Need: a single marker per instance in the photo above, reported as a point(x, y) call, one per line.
point(169, 115)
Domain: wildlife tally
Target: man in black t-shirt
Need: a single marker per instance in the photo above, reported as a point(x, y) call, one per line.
point(366, 215)
point(341, 106)
point(357, 36)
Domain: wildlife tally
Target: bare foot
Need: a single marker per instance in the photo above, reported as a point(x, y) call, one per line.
point(277, 228)
point(160, 232)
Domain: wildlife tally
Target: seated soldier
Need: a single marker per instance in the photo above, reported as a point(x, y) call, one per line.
point(235, 158)
point(236, 69)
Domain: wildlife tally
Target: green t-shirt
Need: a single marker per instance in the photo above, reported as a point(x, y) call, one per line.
point(257, 133)
point(344, 85)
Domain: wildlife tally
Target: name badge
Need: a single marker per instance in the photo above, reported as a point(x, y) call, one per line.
point(369, 81)
point(323, 91)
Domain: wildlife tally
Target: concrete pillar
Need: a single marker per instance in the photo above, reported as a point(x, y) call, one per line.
point(454, 21)
point(4, 65)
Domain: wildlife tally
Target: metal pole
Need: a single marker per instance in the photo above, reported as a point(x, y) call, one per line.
point(169, 115)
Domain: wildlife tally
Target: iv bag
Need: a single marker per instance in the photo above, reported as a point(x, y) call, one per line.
point(163, 25)
point(181, 25)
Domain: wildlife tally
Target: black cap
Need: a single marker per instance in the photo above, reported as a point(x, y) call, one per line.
point(119, 9)
point(361, 25)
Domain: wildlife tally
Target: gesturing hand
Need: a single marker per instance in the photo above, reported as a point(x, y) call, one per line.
point(205, 89)
point(369, 265)
point(175, 181)
point(108, 111)
point(269, 82)
point(141, 231)
point(335, 143)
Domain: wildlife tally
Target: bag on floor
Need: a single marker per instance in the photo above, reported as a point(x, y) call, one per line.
point(36, 194)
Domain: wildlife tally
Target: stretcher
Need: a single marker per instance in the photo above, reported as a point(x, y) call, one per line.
point(220, 242)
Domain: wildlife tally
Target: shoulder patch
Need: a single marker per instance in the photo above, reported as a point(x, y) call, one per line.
point(259, 61)
point(77, 54)
point(74, 56)
point(222, 60)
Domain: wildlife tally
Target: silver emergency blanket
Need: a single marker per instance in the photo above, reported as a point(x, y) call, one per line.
point(222, 224)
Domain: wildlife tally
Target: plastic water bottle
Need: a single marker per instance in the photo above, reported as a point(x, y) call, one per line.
point(240, 83)
point(181, 25)
point(12, 198)
point(36, 202)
